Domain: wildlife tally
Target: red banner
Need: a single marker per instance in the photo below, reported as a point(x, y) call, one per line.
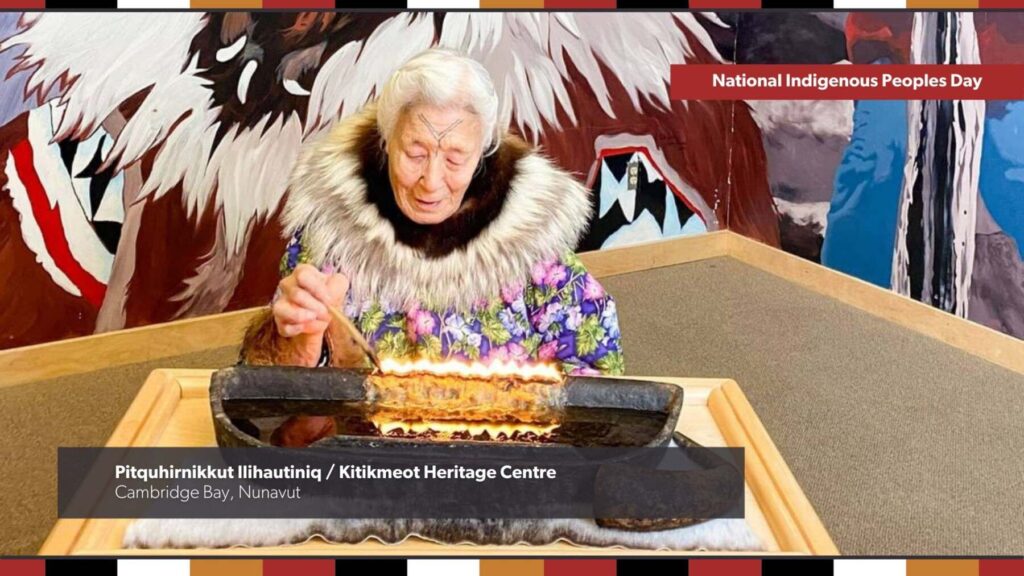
point(847, 82)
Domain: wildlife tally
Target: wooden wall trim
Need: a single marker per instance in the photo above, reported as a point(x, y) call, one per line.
point(94, 352)
point(88, 353)
point(971, 337)
point(657, 254)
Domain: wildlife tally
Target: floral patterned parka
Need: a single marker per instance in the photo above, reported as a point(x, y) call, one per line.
point(559, 314)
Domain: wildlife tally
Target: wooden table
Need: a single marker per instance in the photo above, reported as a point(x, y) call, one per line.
point(172, 410)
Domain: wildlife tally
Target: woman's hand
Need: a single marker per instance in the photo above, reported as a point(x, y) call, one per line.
point(300, 311)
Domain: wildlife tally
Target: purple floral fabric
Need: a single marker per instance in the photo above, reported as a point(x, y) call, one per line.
point(559, 314)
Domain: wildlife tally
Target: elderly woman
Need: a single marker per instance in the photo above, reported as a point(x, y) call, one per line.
point(439, 235)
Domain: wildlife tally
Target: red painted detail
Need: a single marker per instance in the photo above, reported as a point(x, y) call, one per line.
point(647, 154)
point(49, 222)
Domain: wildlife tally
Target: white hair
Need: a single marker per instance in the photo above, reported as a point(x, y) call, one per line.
point(443, 78)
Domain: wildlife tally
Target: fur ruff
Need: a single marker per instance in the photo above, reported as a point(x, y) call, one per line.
point(719, 534)
point(520, 210)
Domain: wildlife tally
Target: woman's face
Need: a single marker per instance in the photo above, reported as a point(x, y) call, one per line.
point(431, 161)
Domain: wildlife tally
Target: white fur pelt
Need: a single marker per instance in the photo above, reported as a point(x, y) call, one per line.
point(545, 213)
point(719, 534)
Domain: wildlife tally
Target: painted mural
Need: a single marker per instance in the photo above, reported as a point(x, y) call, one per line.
point(924, 198)
point(143, 156)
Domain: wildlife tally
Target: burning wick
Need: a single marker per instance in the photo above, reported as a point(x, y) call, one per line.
point(406, 392)
point(476, 370)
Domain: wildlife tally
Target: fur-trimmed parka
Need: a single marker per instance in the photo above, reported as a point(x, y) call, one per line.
point(498, 280)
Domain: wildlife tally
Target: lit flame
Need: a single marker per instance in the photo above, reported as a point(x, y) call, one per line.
point(455, 398)
point(450, 428)
point(495, 369)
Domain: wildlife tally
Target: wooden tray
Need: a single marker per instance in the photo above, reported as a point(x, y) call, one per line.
point(172, 409)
